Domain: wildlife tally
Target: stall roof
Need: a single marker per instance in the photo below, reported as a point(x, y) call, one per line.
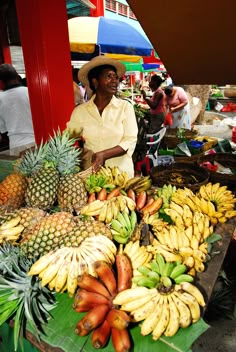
point(194, 39)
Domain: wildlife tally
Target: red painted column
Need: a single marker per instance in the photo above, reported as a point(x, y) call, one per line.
point(45, 44)
point(4, 46)
point(99, 11)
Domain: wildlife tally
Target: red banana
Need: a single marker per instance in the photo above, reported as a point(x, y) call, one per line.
point(124, 271)
point(102, 195)
point(131, 194)
point(114, 193)
point(106, 275)
point(95, 317)
point(80, 330)
point(141, 200)
point(85, 298)
point(153, 207)
point(101, 335)
point(118, 319)
point(92, 197)
point(121, 340)
point(92, 284)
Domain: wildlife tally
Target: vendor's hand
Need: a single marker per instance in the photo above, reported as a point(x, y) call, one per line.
point(143, 93)
point(97, 161)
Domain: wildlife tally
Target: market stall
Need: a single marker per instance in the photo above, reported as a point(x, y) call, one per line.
point(140, 245)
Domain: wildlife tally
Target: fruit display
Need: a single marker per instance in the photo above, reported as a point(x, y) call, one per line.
point(126, 252)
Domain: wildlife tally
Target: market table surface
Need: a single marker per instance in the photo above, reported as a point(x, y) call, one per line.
point(205, 281)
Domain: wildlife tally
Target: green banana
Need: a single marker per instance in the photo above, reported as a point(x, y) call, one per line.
point(178, 270)
point(144, 270)
point(183, 278)
point(154, 275)
point(161, 262)
point(133, 219)
point(116, 225)
point(166, 281)
point(127, 220)
point(169, 266)
point(154, 266)
point(120, 239)
point(136, 278)
point(121, 219)
point(147, 282)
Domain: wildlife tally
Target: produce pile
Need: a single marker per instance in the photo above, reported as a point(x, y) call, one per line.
point(125, 251)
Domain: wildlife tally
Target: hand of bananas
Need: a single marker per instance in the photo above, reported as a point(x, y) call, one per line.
point(11, 230)
point(59, 269)
point(123, 226)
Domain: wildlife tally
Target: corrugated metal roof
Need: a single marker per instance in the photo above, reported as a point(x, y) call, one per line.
point(78, 7)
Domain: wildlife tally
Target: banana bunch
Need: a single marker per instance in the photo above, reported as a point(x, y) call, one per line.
point(108, 209)
point(138, 184)
point(162, 313)
point(186, 218)
point(114, 175)
point(161, 274)
point(123, 226)
point(59, 269)
point(94, 183)
point(223, 199)
point(137, 254)
point(165, 193)
point(185, 244)
point(207, 204)
point(11, 230)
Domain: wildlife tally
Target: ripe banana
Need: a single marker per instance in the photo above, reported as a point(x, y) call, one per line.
point(163, 321)
point(144, 311)
point(185, 318)
point(194, 291)
point(152, 320)
point(192, 304)
point(173, 325)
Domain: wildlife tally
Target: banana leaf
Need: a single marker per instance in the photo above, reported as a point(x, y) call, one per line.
point(59, 332)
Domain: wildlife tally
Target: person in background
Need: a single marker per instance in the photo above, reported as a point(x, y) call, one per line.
point(78, 93)
point(15, 112)
point(156, 104)
point(167, 80)
point(177, 104)
point(144, 83)
point(106, 123)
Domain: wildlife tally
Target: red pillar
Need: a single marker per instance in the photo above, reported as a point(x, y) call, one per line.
point(99, 11)
point(45, 44)
point(5, 56)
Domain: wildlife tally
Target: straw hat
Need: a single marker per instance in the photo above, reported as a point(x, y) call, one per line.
point(99, 61)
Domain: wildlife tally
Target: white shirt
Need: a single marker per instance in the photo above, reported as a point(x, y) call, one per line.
point(116, 126)
point(15, 116)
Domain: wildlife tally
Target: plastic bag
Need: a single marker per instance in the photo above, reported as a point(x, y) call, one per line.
point(168, 119)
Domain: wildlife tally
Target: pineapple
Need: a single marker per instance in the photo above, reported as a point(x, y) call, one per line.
point(12, 191)
point(57, 230)
point(45, 235)
point(58, 157)
point(71, 195)
point(28, 216)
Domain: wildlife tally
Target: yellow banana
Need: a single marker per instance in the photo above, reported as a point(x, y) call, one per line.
point(144, 311)
point(10, 223)
point(137, 303)
point(187, 215)
point(194, 243)
point(199, 255)
point(177, 208)
point(214, 190)
point(130, 203)
point(167, 238)
point(122, 203)
point(103, 212)
point(175, 217)
point(174, 237)
point(169, 256)
point(115, 207)
point(173, 325)
point(189, 261)
point(185, 318)
point(73, 273)
point(62, 274)
point(163, 321)
point(192, 304)
point(152, 320)
point(130, 295)
point(42, 263)
point(12, 231)
point(52, 269)
point(194, 291)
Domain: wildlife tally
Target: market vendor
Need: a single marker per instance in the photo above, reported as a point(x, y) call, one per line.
point(106, 124)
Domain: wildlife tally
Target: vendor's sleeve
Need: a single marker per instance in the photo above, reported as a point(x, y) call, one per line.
point(129, 139)
point(73, 126)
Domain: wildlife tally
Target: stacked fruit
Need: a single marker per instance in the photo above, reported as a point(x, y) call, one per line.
point(60, 268)
point(95, 296)
point(123, 226)
point(162, 297)
point(106, 210)
point(213, 200)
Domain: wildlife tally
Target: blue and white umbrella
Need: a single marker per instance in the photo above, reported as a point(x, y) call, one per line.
point(111, 36)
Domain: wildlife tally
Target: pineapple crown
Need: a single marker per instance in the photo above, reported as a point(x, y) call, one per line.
point(59, 152)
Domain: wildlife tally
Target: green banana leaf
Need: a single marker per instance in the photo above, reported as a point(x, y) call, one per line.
point(59, 332)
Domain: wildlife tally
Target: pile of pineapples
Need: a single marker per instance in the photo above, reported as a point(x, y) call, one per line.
point(46, 174)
